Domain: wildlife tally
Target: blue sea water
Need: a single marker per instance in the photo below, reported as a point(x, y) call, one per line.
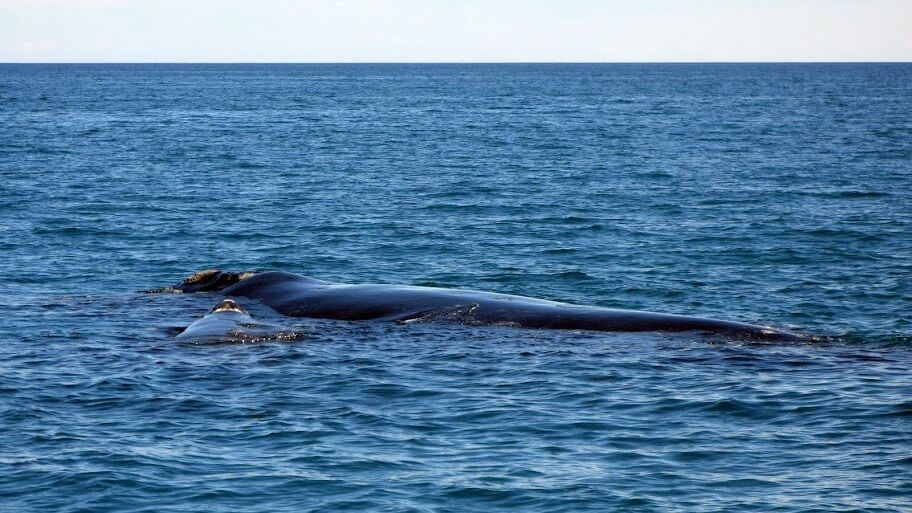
point(775, 194)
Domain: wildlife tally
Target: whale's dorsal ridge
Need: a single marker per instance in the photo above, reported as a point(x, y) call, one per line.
point(299, 296)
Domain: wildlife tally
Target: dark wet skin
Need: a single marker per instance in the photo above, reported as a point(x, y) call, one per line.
point(229, 322)
point(299, 296)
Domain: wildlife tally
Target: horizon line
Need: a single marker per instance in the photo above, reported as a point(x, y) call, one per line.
point(443, 62)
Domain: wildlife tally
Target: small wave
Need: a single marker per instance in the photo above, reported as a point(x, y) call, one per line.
point(852, 194)
point(249, 165)
point(73, 231)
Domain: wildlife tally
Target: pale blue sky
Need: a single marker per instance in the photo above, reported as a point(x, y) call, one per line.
point(454, 31)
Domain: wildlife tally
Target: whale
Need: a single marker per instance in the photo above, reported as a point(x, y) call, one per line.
point(300, 296)
point(230, 322)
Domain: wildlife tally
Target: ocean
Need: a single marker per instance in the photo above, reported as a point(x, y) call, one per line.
point(778, 194)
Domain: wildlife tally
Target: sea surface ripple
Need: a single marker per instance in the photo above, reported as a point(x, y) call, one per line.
point(775, 194)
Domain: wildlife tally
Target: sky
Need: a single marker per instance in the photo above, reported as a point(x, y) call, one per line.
point(455, 30)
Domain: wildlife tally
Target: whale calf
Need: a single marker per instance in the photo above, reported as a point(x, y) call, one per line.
point(229, 322)
point(300, 296)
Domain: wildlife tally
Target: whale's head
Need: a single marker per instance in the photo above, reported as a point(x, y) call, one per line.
point(227, 305)
point(210, 280)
